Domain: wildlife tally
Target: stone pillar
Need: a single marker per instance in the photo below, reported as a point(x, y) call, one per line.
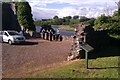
point(47, 35)
point(43, 35)
point(51, 35)
point(61, 38)
point(78, 39)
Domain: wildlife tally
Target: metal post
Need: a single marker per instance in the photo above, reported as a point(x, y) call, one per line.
point(86, 57)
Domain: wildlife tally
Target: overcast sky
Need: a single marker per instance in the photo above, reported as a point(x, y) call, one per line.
point(89, 8)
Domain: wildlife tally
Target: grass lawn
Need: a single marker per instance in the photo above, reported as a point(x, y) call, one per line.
point(106, 67)
point(115, 36)
point(66, 27)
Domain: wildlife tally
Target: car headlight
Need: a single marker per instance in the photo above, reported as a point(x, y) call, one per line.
point(15, 38)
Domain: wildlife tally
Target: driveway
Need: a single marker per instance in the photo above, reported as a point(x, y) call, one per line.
point(34, 54)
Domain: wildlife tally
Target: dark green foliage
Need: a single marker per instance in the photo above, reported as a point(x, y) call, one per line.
point(90, 22)
point(56, 20)
point(67, 20)
point(111, 23)
point(76, 17)
point(102, 22)
point(115, 28)
point(119, 8)
point(24, 15)
point(45, 23)
point(83, 19)
point(74, 21)
point(55, 17)
point(69, 17)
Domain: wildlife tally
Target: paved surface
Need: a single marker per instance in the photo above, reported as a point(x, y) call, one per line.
point(35, 53)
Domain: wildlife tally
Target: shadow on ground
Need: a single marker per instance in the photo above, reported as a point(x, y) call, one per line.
point(104, 68)
point(27, 43)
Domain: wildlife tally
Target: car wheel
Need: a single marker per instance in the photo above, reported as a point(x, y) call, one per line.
point(10, 42)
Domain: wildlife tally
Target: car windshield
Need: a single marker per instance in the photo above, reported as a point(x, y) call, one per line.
point(13, 33)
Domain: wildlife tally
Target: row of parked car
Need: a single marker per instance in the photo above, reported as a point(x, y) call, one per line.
point(11, 37)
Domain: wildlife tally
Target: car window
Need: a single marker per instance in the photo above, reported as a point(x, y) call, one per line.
point(13, 33)
point(6, 34)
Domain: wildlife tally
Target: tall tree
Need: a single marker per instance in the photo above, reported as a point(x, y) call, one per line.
point(76, 17)
point(24, 16)
point(118, 5)
point(102, 22)
point(55, 17)
point(56, 20)
point(83, 18)
point(69, 17)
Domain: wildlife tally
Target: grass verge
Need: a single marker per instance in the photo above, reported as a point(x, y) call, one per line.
point(66, 27)
point(106, 67)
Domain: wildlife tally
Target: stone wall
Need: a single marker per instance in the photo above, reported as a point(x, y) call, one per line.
point(86, 34)
point(78, 38)
point(9, 18)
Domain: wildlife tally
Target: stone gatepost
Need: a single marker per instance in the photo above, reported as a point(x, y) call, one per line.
point(78, 38)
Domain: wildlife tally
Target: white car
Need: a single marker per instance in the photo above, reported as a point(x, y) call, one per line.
point(11, 37)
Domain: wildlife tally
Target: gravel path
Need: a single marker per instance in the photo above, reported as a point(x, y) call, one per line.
point(34, 54)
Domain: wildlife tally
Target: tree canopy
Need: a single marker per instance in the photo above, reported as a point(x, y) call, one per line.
point(24, 16)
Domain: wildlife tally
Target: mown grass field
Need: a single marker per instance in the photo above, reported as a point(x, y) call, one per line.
point(101, 67)
point(98, 68)
point(66, 27)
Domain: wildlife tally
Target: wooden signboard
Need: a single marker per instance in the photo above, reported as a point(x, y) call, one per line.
point(87, 47)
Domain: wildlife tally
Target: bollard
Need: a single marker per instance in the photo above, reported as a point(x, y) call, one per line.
point(86, 57)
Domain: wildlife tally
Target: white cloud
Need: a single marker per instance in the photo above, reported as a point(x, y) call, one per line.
point(40, 13)
point(88, 8)
point(72, 2)
point(85, 11)
point(67, 11)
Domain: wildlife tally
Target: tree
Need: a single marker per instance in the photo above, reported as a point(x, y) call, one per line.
point(115, 26)
point(76, 17)
point(90, 22)
point(69, 17)
point(83, 18)
point(55, 20)
point(74, 21)
point(24, 16)
point(67, 20)
point(55, 17)
point(119, 7)
point(102, 22)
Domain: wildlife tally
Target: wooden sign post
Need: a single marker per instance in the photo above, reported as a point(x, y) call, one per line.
point(87, 49)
